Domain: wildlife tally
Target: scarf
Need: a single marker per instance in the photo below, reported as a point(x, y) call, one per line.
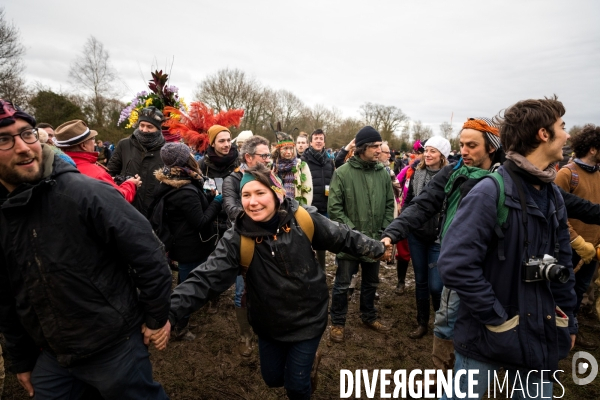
point(149, 140)
point(586, 167)
point(421, 178)
point(527, 171)
point(221, 162)
point(287, 176)
point(320, 156)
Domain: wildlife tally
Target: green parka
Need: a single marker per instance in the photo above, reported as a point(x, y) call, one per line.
point(361, 196)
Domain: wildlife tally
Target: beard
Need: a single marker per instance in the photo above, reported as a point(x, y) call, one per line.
point(13, 176)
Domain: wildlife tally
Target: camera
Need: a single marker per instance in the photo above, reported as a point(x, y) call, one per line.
point(119, 179)
point(545, 269)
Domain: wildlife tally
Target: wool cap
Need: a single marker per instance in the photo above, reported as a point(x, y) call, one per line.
point(72, 133)
point(243, 136)
point(276, 185)
point(9, 112)
point(440, 143)
point(214, 130)
point(175, 154)
point(368, 134)
point(487, 126)
point(151, 115)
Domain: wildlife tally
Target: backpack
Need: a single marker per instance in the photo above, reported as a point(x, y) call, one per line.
point(462, 180)
point(574, 177)
point(159, 222)
point(247, 244)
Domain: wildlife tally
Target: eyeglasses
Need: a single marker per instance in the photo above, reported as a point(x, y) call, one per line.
point(265, 156)
point(7, 141)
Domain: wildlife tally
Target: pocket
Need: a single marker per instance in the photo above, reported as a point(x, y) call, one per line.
point(501, 342)
point(562, 333)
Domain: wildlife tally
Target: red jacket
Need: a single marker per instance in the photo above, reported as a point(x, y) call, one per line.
point(86, 164)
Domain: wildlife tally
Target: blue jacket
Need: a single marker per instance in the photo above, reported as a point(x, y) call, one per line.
point(502, 319)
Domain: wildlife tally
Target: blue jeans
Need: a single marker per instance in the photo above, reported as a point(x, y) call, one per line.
point(533, 386)
point(239, 291)
point(446, 315)
point(368, 287)
point(427, 278)
point(121, 372)
point(583, 278)
point(288, 364)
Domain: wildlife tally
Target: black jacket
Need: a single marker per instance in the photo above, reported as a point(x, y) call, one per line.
point(130, 158)
point(286, 288)
point(232, 199)
point(190, 218)
point(431, 200)
point(68, 244)
point(321, 176)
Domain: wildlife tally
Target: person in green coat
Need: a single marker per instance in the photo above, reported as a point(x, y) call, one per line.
point(360, 196)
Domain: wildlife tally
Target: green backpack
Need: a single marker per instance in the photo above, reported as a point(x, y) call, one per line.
point(459, 185)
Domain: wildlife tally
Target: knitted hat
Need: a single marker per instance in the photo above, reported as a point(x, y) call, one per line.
point(213, 131)
point(243, 136)
point(418, 147)
point(441, 144)
point(72, 133)
point(276, 185)
point(368, 134)
point(42, 135)
point(487, 126)
point(151, 115)
point(9, 112)
point(175, 154)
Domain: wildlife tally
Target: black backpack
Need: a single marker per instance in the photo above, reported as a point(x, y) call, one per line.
point(158, 218)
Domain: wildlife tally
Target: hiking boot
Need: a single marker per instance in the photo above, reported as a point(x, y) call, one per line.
point(245, 344)
point(400, 289)
point(213, 306)
point(378, 326)
point(336, 333)
point(314, 378)
point(582, 342)
point(419, 332)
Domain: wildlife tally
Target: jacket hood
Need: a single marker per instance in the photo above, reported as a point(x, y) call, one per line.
point(359, 163)
point(176, 183)
point(244, 225)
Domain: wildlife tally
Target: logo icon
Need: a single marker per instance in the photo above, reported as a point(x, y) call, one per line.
point(583, 362)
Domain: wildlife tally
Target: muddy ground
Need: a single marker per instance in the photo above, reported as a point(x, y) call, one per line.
point(210, 367)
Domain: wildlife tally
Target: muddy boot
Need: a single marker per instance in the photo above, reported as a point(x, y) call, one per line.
point(443, 354)
point(401, 268)
point(245, 344)
point(314, 378)
point(422, 319)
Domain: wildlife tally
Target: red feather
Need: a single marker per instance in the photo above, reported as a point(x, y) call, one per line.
point(201, 117)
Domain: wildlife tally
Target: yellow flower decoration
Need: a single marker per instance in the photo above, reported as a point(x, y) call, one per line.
point(183, 104)
point(133, 118)
point(148, 102)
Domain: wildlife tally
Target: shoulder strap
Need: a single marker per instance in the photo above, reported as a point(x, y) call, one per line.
point(502, 209)
point(247, 244)
point(574, 177)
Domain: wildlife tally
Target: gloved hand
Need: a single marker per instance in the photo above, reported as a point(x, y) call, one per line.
point(219, 199)
point(586, 250)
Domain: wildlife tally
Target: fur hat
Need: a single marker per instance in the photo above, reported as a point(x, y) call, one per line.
point(440, 143)
point(72, 133)
point(214, 130)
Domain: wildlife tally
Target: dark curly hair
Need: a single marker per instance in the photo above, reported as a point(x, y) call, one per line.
point(584, 141)
point(520, 123)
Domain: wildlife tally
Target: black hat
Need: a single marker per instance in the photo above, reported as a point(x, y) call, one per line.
point(368, 134)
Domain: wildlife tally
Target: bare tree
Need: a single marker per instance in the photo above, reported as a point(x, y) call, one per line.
point(386, 119)
point(421, 132)
point(12, 85)
point(93, 73)
point(446, 129)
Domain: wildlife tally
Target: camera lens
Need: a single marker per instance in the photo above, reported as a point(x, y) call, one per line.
point(555, 273)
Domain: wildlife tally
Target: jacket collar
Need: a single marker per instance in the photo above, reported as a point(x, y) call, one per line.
point(359, 163)
point(83, 157)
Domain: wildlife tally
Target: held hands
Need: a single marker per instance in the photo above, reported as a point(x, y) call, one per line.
point(24, 379)
point(159, 337)
point(135, 180)
point(586, 250)
point(387, 242)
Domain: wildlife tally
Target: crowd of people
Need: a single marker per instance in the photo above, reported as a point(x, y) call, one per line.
point(503, 245)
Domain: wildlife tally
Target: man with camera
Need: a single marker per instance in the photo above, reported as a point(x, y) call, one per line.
point(517, 302)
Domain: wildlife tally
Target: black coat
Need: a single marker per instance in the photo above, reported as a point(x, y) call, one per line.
point(232, 199)
point(68, 244)
point(130, 158)
point(321, 172)
point(190, 218)
point(286, 288)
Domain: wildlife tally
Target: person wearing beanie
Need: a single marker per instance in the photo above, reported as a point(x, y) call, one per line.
point(424, 249)
point(139, 155)
point(293, 172)
point(241, 138)
point(72, 311)
point(361, 196)
point(71, 138)
point(188, 212)
point(288, 319)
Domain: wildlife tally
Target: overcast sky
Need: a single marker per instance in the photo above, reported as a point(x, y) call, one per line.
point(429, 58)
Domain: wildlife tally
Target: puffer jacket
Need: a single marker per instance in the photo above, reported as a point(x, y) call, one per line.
point(286, 288)
point(361, 196)
point(190, 218)
point(321, 173)
point(502, 319)
point(68, 244)
point(130, 158)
